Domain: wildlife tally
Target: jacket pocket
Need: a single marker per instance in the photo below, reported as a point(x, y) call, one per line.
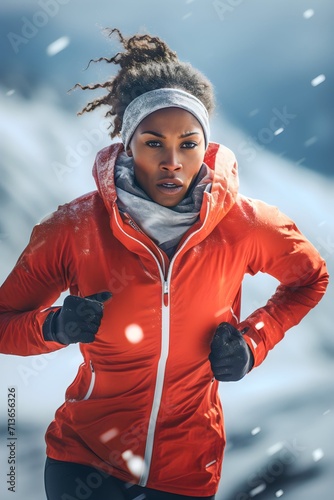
point(92, 382)
point(83, 385)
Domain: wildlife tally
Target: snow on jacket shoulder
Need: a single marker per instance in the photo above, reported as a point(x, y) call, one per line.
point(145, 393)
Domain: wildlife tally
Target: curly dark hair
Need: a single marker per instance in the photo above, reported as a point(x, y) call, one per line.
point(147, 63)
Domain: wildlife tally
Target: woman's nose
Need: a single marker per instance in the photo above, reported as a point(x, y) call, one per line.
point(171, 161)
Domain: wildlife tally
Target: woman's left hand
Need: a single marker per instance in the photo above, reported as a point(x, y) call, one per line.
point(230, 357)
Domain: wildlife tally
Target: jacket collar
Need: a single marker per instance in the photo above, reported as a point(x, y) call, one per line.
point(216, 204)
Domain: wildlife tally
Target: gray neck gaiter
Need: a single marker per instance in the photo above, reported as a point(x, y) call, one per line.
point(165, 226)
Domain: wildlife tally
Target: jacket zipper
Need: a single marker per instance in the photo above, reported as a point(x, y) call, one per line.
point(165, 331)
point(92, 382)
point(160, 379)
point(162, 362)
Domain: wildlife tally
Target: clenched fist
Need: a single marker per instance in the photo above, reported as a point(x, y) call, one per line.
point(230, 357)
point(78, 320)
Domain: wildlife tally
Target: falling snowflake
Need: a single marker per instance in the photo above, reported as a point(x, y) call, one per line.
point(253, 112)
point(57, 46)
point(308, 13)
point(257, 490)
point(135, 463)
point(312, 140)
point(134, 333)
point(107, 436)
point(275, 448)
point(279, 493)
point(255, 431)
point(317, 80)
point(317, 454)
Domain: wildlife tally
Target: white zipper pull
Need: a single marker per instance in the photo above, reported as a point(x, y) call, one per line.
point(166, 293)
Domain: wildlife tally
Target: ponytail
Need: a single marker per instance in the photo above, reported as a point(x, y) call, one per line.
point(146, 63)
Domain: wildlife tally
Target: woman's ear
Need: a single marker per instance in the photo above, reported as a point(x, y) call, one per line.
point(129, 152)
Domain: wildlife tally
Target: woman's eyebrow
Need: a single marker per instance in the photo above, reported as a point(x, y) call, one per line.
point(187, 134)
point(153, 133)
point(157, 134)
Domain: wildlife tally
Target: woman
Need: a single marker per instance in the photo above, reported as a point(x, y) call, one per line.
point(154, 261)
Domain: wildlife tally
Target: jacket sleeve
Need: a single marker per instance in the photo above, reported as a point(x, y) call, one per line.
point(38, 278)
point(278, 248)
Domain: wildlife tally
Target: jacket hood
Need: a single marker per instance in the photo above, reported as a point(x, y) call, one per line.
point(219, 201)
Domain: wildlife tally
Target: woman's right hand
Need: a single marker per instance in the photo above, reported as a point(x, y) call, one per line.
point(78, 320)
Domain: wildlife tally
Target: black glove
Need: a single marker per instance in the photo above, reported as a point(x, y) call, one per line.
point(78, 320)
point(230, 356)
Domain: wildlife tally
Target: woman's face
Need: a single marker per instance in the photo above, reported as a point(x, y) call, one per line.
point(168, 149)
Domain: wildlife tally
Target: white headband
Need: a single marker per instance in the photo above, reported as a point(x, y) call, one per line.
point(147, 103)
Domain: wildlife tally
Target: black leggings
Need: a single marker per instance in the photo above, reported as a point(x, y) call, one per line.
point(71, 481)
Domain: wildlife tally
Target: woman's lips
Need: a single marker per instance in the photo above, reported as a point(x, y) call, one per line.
point(170, 187)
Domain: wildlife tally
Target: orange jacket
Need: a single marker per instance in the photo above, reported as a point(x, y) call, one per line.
point(144, 406)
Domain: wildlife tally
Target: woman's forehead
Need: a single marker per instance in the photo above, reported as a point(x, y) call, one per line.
point(170, 119)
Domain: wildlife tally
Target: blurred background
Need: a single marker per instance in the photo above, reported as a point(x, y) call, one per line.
point(272, 68)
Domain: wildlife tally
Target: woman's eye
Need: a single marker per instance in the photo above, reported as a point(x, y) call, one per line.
point(189, 145)
point(153, 144)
